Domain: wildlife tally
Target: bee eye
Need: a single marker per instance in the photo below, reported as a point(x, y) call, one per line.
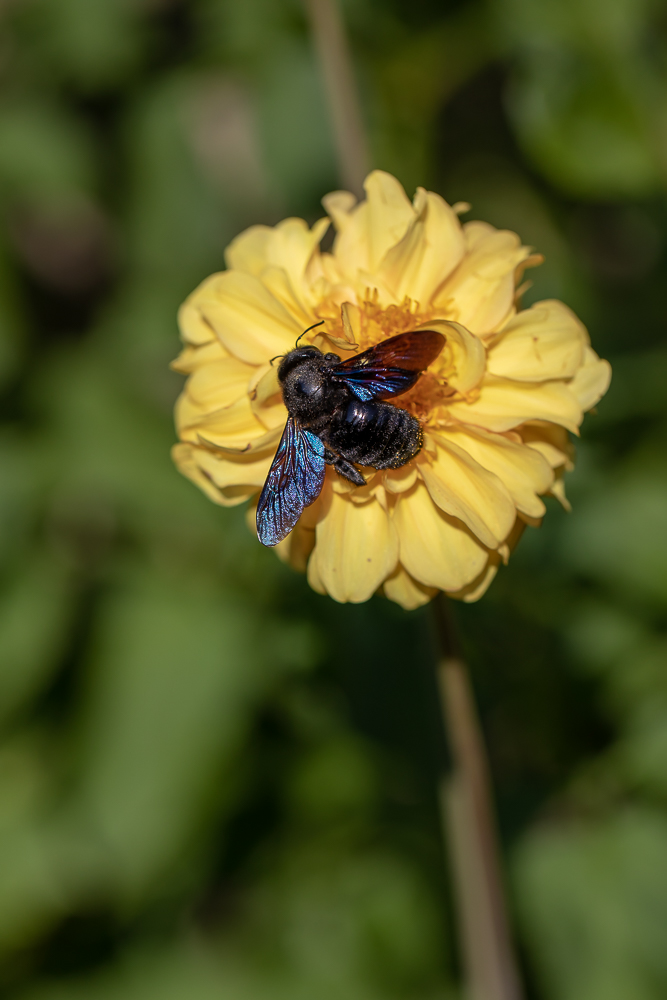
point(307, 385)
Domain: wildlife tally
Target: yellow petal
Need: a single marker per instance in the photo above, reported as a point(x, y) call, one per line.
point(522, 470)
point(430, 250)
point(401, 480)
point(247, 318)
point(558, 491)
point(265, 443)
point(503, 405)
point(236, 426)
point(546, 341)
point(591, 381)
point(266, 397)
point(464, 351)
point(314, 578)
point(187, 413)
point(351, 317)
point(187, 460)
point(193, 326)
point(480, 292)
point(192, 357)
point(277, 281)
point(296, 548)
point(357, 548)
point(463, 488)
point(436, 549)
point(248, 472)
point(368, 230)
point(219, 383)
point(478, 587)
point(406, 591)
point(289, 245)
point(249, 251)
point(551, 441)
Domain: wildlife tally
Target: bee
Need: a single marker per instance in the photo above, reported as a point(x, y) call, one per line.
point(336, 417)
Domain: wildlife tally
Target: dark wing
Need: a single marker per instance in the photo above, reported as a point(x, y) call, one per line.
point(294, 481)
point(392, 367)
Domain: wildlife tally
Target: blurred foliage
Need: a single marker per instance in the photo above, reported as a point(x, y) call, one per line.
point(213, 782)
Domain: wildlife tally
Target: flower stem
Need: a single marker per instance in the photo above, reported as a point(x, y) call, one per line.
point(348, 127)
point(469, 828)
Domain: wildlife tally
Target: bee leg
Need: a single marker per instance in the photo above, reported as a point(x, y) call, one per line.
point(344, 468)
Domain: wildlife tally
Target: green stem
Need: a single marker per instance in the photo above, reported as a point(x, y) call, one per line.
point(469, 826)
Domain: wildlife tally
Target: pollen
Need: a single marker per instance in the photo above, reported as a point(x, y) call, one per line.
point(378, 323)
point(373, 324)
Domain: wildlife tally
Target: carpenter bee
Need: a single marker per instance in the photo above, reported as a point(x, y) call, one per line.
point(336, 418)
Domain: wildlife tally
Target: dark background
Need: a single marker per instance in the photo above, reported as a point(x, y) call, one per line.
point(213, 782)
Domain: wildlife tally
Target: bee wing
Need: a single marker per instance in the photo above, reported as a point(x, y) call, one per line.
point(294, 481)
point(392, 367)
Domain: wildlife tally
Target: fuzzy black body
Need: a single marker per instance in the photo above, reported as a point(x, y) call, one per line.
point(337, 416)
point(354, 431)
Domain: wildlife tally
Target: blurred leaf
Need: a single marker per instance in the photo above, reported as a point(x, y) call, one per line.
point(587, 98)
point(620, 537)
point(94, 44)
point(45, 153)
point(594, 899)
point(35, 620)
point(178, 668)
point(12, 329)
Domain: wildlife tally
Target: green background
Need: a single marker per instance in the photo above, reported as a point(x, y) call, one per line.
point(213, 782)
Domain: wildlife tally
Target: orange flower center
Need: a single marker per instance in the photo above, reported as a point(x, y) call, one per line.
point(372, 324)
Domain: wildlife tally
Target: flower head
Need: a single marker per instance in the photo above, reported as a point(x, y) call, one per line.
point(496, 405)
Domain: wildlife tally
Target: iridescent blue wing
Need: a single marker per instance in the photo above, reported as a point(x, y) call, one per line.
point(294, 481)
point(392, 367)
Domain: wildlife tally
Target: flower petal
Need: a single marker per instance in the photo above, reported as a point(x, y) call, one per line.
point(250, 250)
point(437, 550)
point(192, 357)
point(464, 351)
point(193, 326)
point(551, 441)
point(188, 461)
point(357, 548)
point(430, 250)
point(591, 381)
point(558, 491)
point(463, 488)
point(402, 479)
point(289, 246)
point(503, 405)
point(313, 571)
point(406, 591)
point(296, 548)
point(480, 292)
point(478, 587)
point(235, 426)
point(522, 470)
point(220, 383)
point(368, 230)
point(247, 318)
point(546, 341)
point(223, 471)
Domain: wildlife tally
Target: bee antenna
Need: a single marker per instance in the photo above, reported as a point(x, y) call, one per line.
point(276, 358)
point(307, 331)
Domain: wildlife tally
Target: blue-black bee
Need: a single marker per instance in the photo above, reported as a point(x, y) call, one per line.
point(336, 418)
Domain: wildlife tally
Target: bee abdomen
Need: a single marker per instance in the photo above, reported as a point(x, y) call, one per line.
point(376, 434)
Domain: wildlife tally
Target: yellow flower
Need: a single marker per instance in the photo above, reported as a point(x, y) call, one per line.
point(496, 405)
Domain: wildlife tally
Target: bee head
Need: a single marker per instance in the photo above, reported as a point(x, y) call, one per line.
point(299, 357)
point(305, 380)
